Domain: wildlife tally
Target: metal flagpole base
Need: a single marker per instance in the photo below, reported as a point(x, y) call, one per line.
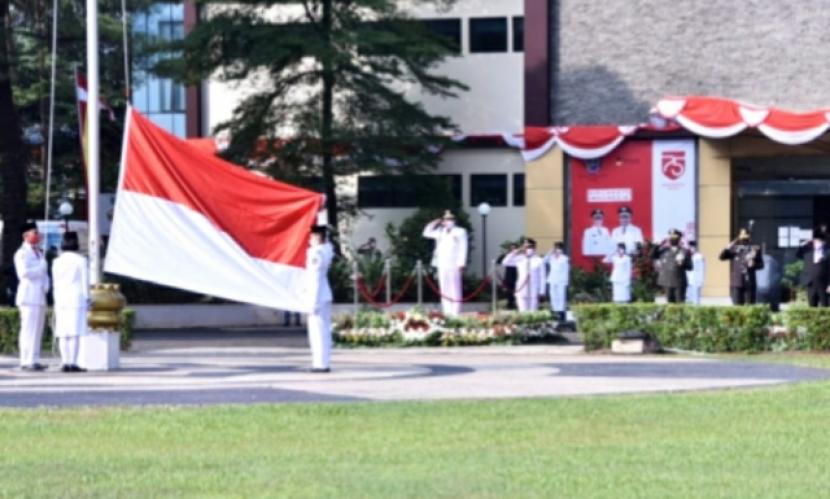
point(100, 348)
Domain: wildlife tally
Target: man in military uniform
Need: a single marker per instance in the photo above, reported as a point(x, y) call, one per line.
point(746, 260)
point(672, 261)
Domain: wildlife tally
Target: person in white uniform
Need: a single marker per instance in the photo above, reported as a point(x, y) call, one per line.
point(620, 275)
point(70, 276)
point(318, 296)
point(627, 233)
point(695, 277)
point(530, 267)
point(450, 258)
point(559, 269)
point(596, 240)
point(33, 284)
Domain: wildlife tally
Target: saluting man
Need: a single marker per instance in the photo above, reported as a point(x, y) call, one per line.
point(33, 277)
point(531, 271)
point(70, 274)
point(673, 261)
point(318, 296)
point(558, 276)
point(449, 258)
point(746, 260)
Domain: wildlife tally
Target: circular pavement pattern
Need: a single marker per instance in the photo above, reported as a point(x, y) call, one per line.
point(181, 375)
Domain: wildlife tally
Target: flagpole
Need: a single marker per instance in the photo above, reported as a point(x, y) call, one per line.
point(48, 179)
point(92, 117)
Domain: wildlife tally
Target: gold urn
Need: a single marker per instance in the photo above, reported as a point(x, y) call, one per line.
point(106, 304)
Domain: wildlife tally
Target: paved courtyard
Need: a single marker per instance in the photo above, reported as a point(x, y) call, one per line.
point(259, 366)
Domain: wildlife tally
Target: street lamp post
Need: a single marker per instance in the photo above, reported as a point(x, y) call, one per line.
point(65, 209)
point(484, 210)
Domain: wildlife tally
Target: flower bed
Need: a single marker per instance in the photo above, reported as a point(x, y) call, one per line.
point(430, 328)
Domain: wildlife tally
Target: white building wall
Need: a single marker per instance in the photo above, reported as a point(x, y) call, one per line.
point(503, 223)
point(493, 103)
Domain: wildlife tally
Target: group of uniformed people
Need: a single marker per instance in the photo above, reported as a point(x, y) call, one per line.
point(70, 284)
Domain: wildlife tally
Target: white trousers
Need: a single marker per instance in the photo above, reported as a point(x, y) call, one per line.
point(558, 294)
point(69, 350)
point(32, 319)
point(527, 303)
point(620, 293)
point(693, 295)
point(319, 336)
point(449, 279)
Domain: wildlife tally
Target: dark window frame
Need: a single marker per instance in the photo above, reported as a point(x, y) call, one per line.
point(455, 39)
point(398, 191)
point(519, 190)
point(479, 194)
point(488, 42)
point(518, 33)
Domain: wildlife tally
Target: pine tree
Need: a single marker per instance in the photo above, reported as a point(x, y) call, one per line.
point(331, 78)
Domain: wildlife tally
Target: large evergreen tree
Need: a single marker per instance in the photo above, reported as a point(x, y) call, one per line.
point(25, 64)
point(331, 77)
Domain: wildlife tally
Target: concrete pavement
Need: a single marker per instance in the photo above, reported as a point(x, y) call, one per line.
point(256, 366)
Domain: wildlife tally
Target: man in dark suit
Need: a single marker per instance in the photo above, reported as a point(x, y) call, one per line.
point(672, 261)
point(816, 274)
point(746, 260)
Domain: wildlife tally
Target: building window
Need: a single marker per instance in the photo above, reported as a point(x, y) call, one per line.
point(518, 34)
point(488, 34)
point(491, 189)
point(160, 99)
point(397, 191)
point(518, 189)
point(448, 29)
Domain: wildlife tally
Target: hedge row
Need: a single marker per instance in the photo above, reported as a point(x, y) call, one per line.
point(701, 328)
point(10, 327)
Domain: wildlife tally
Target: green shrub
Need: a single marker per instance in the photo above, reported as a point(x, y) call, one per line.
point(10, 328)
point(807, 328)
point(703, 328)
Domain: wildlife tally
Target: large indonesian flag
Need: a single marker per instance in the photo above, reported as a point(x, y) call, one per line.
point(187, 219)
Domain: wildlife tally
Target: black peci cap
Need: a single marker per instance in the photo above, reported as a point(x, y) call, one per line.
point(27, 227)
point(70, 241)
point(597, 212)
point(624, 210)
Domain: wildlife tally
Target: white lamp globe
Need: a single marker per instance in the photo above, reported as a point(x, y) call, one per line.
point(65, 209)
point(484, 209)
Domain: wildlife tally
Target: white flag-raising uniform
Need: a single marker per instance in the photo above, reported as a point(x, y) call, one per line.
point(33, 284)
point(620, 277)
point(70, 275)
point(449, 258)
point(694, 278)
point(188, 219)
point(531, 278)
point(317, 293)
point(558, 277)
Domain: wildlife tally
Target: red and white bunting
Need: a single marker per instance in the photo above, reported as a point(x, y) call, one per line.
point(720, 118)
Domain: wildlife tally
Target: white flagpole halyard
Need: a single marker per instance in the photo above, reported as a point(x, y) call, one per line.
point(93, 146)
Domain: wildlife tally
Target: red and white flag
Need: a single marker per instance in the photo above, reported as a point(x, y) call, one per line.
point(188, 219)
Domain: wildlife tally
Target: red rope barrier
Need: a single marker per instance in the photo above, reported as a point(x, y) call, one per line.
point(378, 287)
point(464, 299)
point(361, 286)
point(501, 283)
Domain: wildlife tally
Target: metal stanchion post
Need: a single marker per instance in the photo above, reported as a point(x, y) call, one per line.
point(529, 286)
point(354, 288)
point(388, 269)
point(419, 272)
point(494, 288)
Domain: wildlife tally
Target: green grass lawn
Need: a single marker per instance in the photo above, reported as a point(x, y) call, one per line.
point(771, 442)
